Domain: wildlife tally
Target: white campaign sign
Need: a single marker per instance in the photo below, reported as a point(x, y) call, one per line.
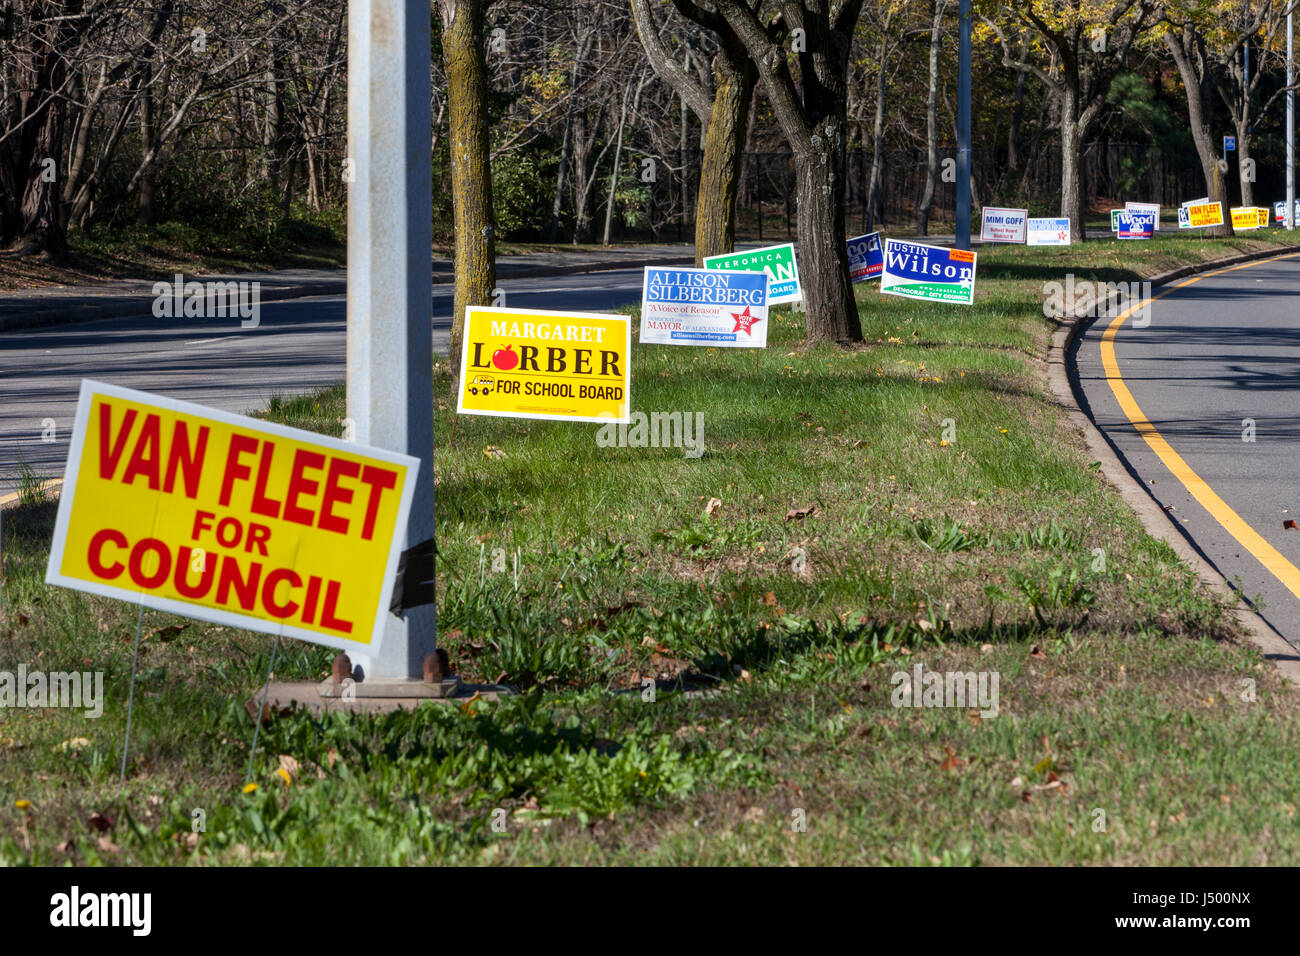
point(1003, 225)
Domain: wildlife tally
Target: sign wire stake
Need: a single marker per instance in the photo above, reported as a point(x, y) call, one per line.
point(130, 700)
point(452, 441)
point(261, 706)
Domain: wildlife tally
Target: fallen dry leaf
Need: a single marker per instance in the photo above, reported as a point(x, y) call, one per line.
point(108, 846)
point(713, 505)
point(100, 822)
point(1036, 651)
point(289, 765)
point(953, 760)
point(797, 514)
point(1290, 525)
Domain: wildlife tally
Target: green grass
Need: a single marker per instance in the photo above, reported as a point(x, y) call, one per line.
point(957, 524)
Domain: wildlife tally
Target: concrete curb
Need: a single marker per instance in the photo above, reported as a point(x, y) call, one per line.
point(125, 304)
point(1154, 518)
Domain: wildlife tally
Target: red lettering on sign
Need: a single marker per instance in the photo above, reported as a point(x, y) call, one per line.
point(263, 505)
point(188, 462)
point(143, 547)
point(379, 480)
point(300, 484)
point(268, 593)
point(142, 463)
point(235, 471)
point(108, 459)
point(328, 615)
point(334, 493)
point(97, 567)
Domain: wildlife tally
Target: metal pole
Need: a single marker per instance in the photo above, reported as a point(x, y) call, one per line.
point(390, 282)
point(1290, 120)
point(963, 129)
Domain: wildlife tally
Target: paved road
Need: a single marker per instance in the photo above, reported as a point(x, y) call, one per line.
point(299, 346)
point(1217, 351)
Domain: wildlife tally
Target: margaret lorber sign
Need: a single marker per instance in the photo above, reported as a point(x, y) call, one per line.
point(528, 363)
point(228, 519)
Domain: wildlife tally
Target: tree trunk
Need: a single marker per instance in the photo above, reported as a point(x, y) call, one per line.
point(1071, 187)
point(683, 153)
point(724, 142)
point(471, 170)
point(613, 173)
point(831, 314)
point(1243, 165)
point(878, 129)
point(145, 215)
point(1196, 87)
point(931, 124)
point(558, 205)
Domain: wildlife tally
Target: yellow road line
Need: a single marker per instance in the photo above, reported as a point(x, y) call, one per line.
point(49, 485)
point(1233, 523)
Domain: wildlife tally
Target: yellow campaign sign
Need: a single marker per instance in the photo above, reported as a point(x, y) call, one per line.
point(1248, 217)
point(1205, 214)
point(232, 520)
point(1261, 217)
point(530, 363)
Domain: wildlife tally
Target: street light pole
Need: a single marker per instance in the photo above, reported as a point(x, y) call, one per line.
point(1290, 120)
point(963, 129)
point(390, 282)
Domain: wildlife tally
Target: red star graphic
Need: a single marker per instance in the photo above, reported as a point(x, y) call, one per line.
point(745, 321)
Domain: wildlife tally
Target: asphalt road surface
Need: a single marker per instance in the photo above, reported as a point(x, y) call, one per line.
point(1218, 353)
point(299, 346)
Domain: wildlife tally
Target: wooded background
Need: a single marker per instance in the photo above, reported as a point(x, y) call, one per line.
point(231, 114)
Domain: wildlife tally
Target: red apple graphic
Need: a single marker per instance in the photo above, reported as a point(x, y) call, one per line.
point(505, 359)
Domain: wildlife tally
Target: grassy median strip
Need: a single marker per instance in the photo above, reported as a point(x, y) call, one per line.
point(708, 638)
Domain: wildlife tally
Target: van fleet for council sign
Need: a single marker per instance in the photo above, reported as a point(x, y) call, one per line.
point(227, 519)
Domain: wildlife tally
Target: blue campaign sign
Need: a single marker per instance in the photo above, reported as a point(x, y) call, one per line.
point(722, 308)
point(1137, 225)
point(866, 257)
point(1229, 144)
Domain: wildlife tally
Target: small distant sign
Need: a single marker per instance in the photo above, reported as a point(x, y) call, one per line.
point(1229, 144)
point(1048, 232)
point(1279, 212)
point(1153, 208)
point(1200, 215)
point(778, 262)
point(866, 257)
point(1248, 217)
point(1003, 225)
point(1136, 225)
point(1114, 219)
